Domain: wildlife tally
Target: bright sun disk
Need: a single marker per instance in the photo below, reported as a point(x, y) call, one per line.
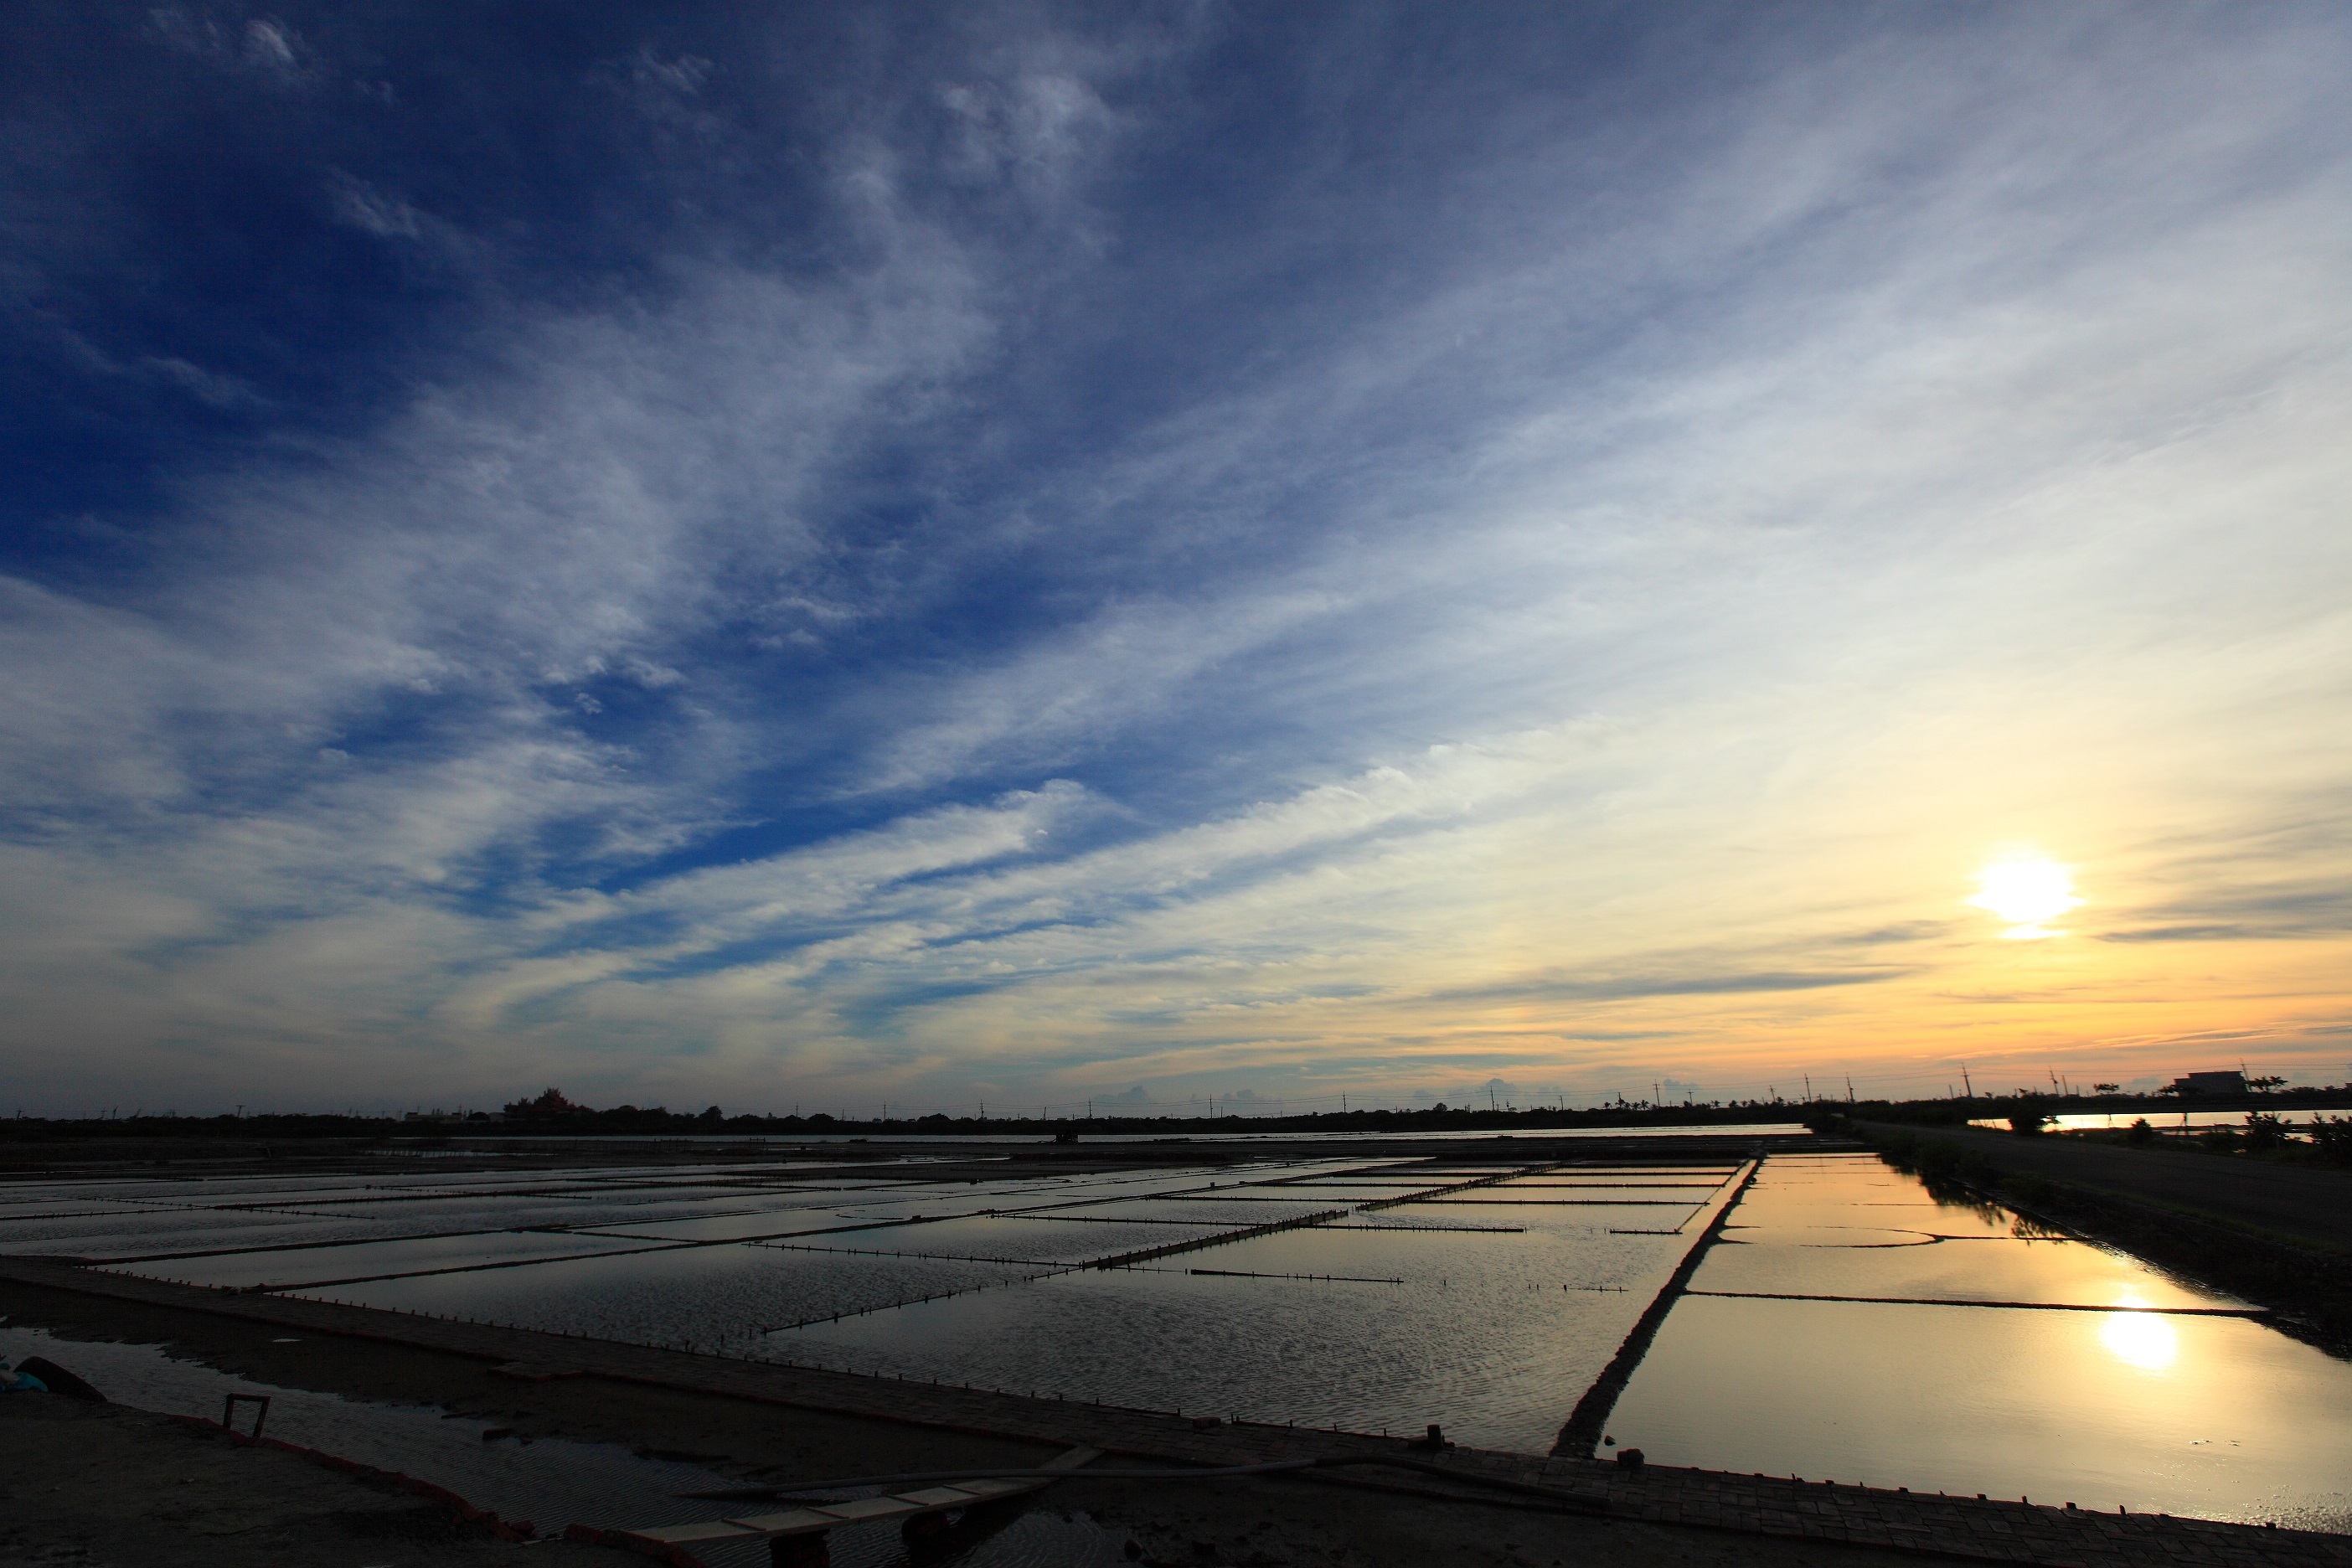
point(2025, 890)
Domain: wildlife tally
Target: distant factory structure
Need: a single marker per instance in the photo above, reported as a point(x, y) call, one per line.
point(2230, 1082)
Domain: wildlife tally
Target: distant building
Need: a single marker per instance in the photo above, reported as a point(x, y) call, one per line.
point(2208, 1083)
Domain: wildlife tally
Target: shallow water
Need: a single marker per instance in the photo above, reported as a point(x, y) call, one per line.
point(1488, 1316)
point(1487, 1309)
point(1067, 1237)
point(2161, 1119)
point(2222, 1418)
point(1858, 1227)
point(1493, 1335)
point(725, 1300)
point(366, 1259)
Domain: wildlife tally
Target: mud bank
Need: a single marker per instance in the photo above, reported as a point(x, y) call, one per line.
point(97, 1485)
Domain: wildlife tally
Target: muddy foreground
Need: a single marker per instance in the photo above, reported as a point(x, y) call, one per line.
point(102, 1486)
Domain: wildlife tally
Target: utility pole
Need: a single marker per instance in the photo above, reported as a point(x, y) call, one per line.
point(1808, 1088)
point(1849, 1089)
point(1964, 1083)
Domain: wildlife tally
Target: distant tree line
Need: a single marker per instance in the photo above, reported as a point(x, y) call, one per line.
point(552, 1113)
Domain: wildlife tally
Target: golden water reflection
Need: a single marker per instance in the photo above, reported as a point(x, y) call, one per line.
point(2045, 1369)
point(2140, 1338)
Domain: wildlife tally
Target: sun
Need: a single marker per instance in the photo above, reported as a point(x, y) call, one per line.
point(2025, 890)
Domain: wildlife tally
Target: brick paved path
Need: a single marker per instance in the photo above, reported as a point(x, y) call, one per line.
point(1991, 1531)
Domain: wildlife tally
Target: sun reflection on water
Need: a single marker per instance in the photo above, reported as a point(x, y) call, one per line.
point(2141, 1339)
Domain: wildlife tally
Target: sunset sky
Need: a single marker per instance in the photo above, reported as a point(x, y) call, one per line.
point(838, 554)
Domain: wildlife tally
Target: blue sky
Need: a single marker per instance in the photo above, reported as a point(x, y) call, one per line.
point(861, 553)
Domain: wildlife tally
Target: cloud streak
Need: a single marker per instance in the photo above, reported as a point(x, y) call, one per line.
point(1529, 579)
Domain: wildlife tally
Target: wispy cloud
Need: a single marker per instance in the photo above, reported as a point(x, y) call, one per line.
point(1574, 589)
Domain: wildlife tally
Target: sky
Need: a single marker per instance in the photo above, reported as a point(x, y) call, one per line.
point(1169, 555)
